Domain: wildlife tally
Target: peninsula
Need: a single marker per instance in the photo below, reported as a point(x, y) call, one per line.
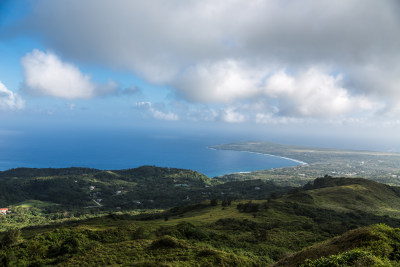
point(379, 166)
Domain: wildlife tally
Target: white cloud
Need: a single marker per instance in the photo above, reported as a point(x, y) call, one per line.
point(10, 100)
point(235, 52)
point(231, 115)
point(314, 93)
point(157, 114)
point(219, 82)
point(46, 74)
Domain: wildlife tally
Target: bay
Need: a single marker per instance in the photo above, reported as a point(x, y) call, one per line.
point(111, 150)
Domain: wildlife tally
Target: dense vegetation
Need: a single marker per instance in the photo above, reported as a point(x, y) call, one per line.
point(143, 187)
point(377, 245)
point(285, 229)
point(38, 196)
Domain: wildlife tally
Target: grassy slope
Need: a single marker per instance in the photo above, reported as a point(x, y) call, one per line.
point(212, 235)
point(346, 195)
point(379, 243)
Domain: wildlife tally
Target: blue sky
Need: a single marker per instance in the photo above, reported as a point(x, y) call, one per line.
point(280, 66)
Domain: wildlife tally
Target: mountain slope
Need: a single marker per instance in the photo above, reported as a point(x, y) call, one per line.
point(351, 194)
point(142, 187)
point(237, 232)
point(367, 246)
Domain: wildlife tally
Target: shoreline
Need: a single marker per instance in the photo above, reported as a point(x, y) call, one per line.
point(294, 160)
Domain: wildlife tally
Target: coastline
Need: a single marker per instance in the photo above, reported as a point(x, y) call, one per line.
point(294, 160)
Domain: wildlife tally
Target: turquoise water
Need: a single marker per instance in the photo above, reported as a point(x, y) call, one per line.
point(110, 150)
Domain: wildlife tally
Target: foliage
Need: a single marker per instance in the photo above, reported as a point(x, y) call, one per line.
point(241, 232)
point(11, 237)
point(167, 242)
point(144, 187)
point(350, 258)
point(214, 202)
point(376, 245)
point(248, 207)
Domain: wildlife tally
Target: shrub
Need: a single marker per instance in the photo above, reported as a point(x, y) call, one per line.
point(11, 238)
point(168, 242)
point(207, 252)
point(188, 230)
point(350, 258)
point(140, 233)
point(248, 207)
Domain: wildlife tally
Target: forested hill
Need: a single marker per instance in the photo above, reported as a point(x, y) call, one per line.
point(143, 187)
point(42, 172)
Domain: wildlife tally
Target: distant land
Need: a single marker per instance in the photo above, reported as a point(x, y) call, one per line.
point(379, 166)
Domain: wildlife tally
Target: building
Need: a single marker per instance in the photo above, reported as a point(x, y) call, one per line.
point(3, 211)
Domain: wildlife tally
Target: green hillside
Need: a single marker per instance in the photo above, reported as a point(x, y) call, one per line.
point(344, 194)
point(77, 187)
point(376, 245)
point(224, 232)
point(143, 187)
point(37, 196)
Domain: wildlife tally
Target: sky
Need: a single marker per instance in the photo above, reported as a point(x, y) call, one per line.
point(311, 67)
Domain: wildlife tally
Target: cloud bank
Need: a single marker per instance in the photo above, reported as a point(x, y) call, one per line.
point(310, 59)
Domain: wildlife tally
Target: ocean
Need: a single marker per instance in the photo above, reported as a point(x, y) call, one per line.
point(111, 150)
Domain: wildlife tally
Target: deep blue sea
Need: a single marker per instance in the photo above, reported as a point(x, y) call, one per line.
point(111, 150)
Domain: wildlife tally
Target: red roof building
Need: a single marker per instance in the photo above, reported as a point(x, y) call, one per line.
point(3, 211)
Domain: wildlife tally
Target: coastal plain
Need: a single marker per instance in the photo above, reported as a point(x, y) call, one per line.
point(315, 162)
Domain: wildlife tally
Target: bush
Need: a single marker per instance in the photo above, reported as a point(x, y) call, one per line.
point(207, 252)
point(188, 230)
point(248, 207)
point(226, 202)
point(11, 238)
point(111, 235)
point(168, 242)
point(139, 233)
point(349, 258)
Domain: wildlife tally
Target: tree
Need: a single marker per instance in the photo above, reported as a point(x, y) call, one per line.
point(214, 202)
point(11, 237)
point(226, 202)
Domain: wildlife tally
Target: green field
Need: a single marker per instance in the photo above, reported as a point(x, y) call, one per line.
point(34, 204)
